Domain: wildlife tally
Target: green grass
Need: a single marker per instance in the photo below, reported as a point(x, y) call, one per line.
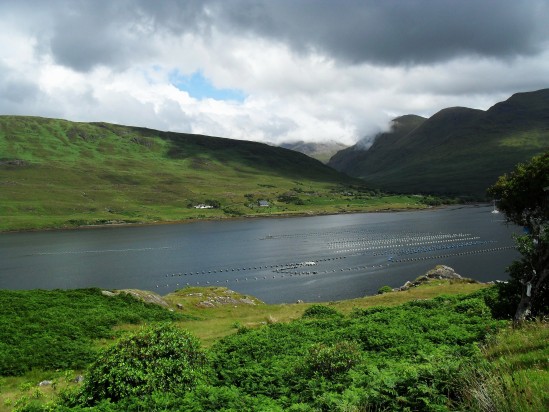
point(71, 174)
point(211, 324)
point(406, 340)
point(515, 376)
point(55, 329)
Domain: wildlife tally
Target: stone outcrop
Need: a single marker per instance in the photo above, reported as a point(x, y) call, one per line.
point(226, 300)
point(438, 273)
point(147, 297)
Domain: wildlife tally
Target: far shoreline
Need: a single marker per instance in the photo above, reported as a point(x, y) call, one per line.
point(237, 218)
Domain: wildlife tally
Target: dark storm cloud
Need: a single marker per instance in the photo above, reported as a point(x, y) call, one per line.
point(394, 32)
point(113, 33)
point(86, 33)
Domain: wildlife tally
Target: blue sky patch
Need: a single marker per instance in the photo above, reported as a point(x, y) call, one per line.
point(200, 87)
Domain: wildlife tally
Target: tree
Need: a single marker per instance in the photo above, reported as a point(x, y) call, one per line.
point(523, 196)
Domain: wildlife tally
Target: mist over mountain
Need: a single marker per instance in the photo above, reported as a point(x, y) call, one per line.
point(322, 151)
point(457, 151)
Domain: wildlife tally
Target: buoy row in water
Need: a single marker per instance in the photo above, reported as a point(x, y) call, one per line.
point(332, 234)
point(270, 277)
point(281, 268)
point(470, 252)
point(374, 246)
point(311, 263)
point(403, 239)
point(282, 275)
point(434, 248)
point(385, 249)
point(275, 268)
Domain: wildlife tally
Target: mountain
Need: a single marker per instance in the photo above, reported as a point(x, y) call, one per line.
point(320, 151)
point(457, 151)
point(351, 159)
point(55, 173)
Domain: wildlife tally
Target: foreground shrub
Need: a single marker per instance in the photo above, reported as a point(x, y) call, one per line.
point(384, 289)
point(384, 358)
point(331, 360)
point(55, 329)
point(152, 360)
point(320, 311)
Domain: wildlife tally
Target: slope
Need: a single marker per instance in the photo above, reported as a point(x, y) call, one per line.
point(56, 173)
point(456, 151)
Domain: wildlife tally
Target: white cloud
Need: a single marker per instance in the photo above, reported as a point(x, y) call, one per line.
point(114, 65)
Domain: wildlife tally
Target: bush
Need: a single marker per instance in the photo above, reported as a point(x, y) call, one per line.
point(320, 311)
point(55, 329)
point(331, 360)
point(156, 359)
point(384, 289)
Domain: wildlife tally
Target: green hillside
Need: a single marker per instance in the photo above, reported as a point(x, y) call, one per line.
point(456, 151)
point(56, 173)
point(385, 145)
point(436, 347)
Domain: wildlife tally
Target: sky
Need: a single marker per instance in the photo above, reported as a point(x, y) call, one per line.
point(272, 71)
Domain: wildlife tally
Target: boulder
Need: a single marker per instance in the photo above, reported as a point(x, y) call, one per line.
point(439, 272)
point(442, 272)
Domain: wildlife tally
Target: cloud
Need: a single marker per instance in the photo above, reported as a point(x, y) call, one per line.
point(271, 71)
point(395, 32)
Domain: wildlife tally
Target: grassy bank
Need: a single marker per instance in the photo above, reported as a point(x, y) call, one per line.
point(410, 349)
point(55, 174)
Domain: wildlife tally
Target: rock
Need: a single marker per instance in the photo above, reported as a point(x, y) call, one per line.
point(439, 272)
point(299, 301)
point(442, 272)
point(206, 304)
point(13, 162)
point(78, 379)
point(179, 306)
point(147, 297)
point(45, 383)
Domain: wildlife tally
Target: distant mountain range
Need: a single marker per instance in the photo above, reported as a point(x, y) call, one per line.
point(457, 151)
point(322, 151)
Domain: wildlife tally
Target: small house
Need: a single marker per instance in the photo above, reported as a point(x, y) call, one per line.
point(263, 203)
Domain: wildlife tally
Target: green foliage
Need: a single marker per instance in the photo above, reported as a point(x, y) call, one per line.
point(392, 358)
point(384, 289)
point(213, 203)
point(331, 360)
point(156, 359)
point(502, 298)
point(320, 311)
point(421, 356)
point(290, 198)
point(54, 329)
point(513, 374)
point(523, 195)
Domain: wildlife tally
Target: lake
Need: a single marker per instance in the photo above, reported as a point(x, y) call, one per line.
point(319, 258)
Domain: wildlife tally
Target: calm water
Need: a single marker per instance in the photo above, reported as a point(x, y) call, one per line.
point(318, 258)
